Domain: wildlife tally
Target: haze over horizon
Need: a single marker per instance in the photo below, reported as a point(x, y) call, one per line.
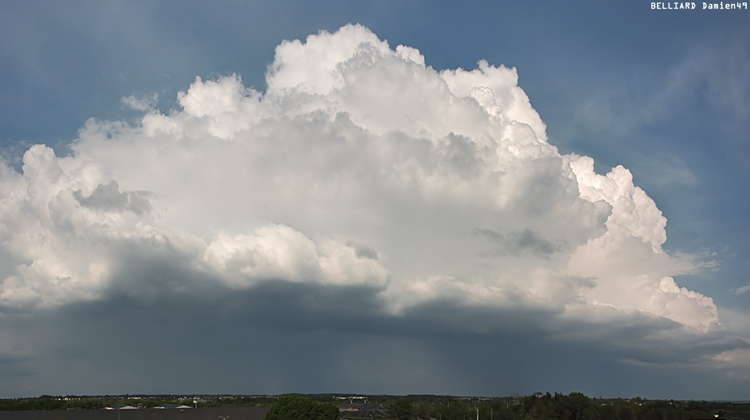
point(386, 198)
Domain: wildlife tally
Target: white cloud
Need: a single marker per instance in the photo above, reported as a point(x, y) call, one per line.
point(358, 166)
point(281, 253)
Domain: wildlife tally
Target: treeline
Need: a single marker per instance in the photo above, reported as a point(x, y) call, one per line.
point(47, 402)
point(239, 402)
point(574, 406)
point(39, 404)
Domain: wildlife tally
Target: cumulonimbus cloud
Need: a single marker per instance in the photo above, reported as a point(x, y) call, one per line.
point(359, 165)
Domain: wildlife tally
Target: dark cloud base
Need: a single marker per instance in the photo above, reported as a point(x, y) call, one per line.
point(282, 337)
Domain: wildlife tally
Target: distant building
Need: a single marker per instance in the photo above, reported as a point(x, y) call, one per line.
point(121, 407)
point(362, 411)
point(164, 406)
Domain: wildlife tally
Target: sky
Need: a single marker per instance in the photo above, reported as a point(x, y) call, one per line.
point(377, 197)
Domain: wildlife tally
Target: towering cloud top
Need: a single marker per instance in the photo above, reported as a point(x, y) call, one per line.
point(360, 166)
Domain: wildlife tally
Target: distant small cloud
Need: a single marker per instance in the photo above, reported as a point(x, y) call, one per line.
point(742, 289)
point(143, 103)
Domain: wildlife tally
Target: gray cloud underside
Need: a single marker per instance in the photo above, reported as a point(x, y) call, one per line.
point(315, 339)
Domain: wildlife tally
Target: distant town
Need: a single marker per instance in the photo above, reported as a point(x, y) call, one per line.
point(537, 406)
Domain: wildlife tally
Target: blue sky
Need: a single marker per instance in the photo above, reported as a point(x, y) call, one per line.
point(664, 93)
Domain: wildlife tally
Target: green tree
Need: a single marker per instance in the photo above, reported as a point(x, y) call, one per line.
point(297, 408)
point(402, 408)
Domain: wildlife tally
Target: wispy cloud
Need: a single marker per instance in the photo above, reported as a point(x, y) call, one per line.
point(143, 103)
